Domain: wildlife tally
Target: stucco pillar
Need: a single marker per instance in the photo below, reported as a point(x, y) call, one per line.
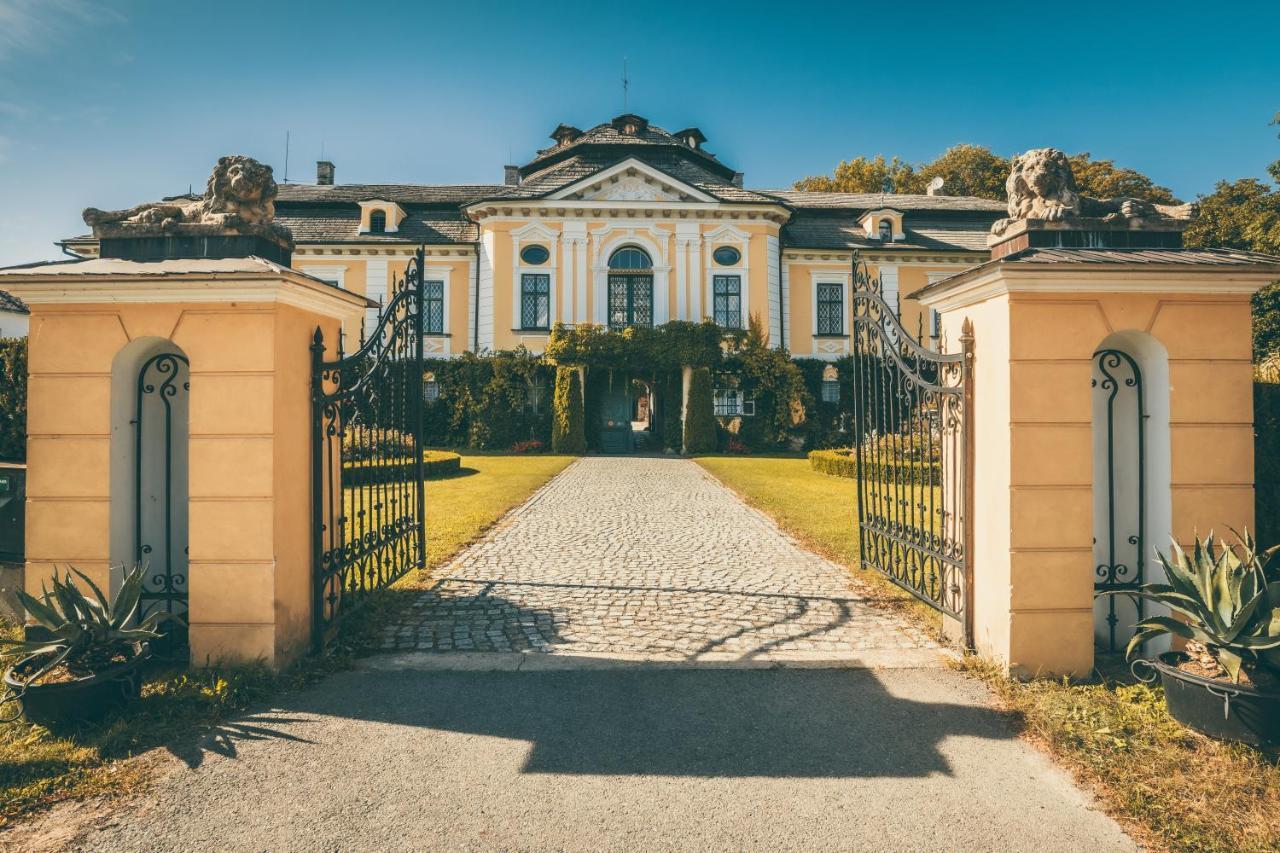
point(1038, 318)
point(245, 326)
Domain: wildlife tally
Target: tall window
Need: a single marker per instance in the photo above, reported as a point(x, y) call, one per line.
point(830, 309)
point(378, 222)
point(535, 301)
point(433, 307)
point(630, 288)
point(886, 230)
point(727, 295)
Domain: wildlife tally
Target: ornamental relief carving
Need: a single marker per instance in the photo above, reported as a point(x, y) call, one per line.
point(631, 189)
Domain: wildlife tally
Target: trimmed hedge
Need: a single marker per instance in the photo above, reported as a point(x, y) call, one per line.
point(568, 420)
point(699, 418)
point(13, 399)
point(435, 464)
point(841, 463)
point(1266, 452)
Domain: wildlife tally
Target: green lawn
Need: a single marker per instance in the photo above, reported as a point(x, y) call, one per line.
point(39, 768)
point(817, 509)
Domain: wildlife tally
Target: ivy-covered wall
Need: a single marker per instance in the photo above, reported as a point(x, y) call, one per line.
point(489, 402)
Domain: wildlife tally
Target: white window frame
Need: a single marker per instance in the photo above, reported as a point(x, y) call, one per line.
point(731, 403)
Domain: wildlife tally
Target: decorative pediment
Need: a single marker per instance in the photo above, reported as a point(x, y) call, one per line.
point(632, 180)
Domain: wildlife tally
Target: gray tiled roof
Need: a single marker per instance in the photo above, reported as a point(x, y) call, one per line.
point(676, 164)
point(607, 134)
point(839, 229)
point(12, 304)
point(312, 224)
point(443, 194)
point(897, 201)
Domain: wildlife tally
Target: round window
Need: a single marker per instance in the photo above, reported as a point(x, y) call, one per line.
point(534, 255)
point(726, 256)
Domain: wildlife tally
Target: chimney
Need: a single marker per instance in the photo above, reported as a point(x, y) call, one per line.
point(324, 173)
point(511, 175)
point(737, 179)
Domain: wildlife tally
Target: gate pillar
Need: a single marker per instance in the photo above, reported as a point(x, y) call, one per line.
point(1040, 315)
point(244, 325)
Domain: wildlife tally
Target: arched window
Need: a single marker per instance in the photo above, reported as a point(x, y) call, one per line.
point(630, 288)
point(886, 230)
point(378, 222)
point(630, 258)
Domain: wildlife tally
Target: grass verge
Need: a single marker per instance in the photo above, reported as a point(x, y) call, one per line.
point(39, 768)
point(1174, 789)
point(819, 510)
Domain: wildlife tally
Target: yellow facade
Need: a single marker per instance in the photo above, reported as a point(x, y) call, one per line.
point(246, 335)
point(1036, 332)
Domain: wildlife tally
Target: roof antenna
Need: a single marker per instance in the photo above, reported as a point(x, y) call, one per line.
point(286, 157)
point(626, 85)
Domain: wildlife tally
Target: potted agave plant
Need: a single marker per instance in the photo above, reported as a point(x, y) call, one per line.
point(1226, 683)
point(83, 657)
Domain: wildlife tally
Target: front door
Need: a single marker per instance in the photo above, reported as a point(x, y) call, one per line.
point(615, 418)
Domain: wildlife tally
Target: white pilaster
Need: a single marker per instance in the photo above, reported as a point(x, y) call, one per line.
point(889, 281)
point(375, 288)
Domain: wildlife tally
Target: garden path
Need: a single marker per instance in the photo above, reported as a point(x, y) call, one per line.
point(651, 557)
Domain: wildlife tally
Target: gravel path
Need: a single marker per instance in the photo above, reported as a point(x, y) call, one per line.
point(650, 557)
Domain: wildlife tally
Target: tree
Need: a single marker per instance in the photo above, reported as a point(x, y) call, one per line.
point(1245, 214)
point(861, 175)
point(568, 421)
point(1103, 179)
point(699, 414)
point(965, 169)
point(974, 170)
point(13, 399)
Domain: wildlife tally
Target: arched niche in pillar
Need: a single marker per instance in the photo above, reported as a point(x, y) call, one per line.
point(150, 389)
point(1132, 496)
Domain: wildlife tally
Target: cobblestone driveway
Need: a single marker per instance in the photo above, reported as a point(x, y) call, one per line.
point(648, 557)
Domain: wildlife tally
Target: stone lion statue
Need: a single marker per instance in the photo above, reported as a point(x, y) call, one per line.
point(239, 198)
point(1042, 186)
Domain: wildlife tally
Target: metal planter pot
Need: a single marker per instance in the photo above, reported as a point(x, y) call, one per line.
point(83, 700)
point(1216, 708)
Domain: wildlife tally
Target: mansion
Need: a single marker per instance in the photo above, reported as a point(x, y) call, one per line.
point(627, 224)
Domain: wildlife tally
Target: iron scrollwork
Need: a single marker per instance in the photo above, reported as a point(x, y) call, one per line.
point(369, 503)
point(1117, 374)
point(913, 453)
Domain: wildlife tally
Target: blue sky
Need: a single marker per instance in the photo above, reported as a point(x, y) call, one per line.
point(110, 104)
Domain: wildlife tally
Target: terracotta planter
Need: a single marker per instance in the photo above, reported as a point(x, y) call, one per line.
point(83, 700)
point(1214, 707)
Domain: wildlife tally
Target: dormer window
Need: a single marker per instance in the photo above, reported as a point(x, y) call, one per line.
point(886, 230)
point(380, 217)
point(884, 225)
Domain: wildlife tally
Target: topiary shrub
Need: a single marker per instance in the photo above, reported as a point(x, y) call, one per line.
point(568, 430)
point(699, 418)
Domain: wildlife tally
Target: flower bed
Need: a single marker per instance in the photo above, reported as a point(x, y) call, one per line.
point(435, 463)
point(841, 463)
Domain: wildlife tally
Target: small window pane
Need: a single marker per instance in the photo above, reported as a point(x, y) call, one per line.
point(630, 258)
point(535, 301)
point(433, 307)
point(830, 392)
point(726, 256)
point(377, 222)
point(534, 256)
point(830, 309)
point(431, 390)
point(727, 296)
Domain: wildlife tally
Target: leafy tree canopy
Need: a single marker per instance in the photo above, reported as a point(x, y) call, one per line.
point(974, 170)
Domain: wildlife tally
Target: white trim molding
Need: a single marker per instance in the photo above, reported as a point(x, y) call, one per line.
point(634, 181)
point(535, 233)
point(439, 344)
point(654, 240)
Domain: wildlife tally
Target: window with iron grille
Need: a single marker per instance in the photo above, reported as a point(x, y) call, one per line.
point(535, 301)
point(433, 307)
point(431, 390)
point(630, 301)
point(830, 391)
point(535, 396)
point(830, 309)
point(727, 294)
point(730, 402)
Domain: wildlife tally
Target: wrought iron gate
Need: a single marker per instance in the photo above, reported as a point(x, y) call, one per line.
point(913, 446)
point(369, 505)
point(160, 493)
point(1122, 553)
